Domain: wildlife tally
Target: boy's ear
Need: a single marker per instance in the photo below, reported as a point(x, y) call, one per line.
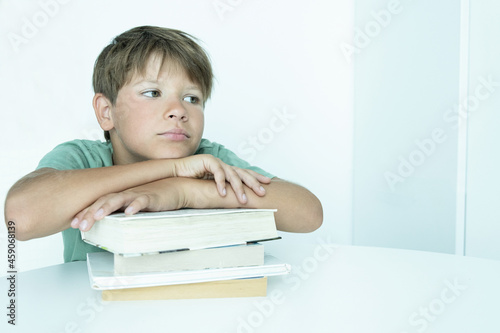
point(102, 107)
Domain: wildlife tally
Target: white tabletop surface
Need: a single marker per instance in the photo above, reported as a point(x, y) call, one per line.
point(331, 289)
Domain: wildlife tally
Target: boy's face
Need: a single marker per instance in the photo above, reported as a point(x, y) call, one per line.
point(158, 115)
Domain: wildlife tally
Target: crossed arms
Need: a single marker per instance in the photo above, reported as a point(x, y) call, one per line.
point(48, 201)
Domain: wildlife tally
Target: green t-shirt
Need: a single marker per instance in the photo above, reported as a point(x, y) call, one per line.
point(85, 154)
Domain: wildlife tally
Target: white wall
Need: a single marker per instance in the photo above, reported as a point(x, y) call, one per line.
point(421, 68)
point(483, 160)
point(406, 78)
point(269, 56)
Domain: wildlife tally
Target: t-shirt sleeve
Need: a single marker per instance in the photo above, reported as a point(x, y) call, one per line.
point(77, 154)
point(228, 157)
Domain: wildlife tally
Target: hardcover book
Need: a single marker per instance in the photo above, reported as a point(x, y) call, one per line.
point(102, 275)
point(255, 287)
point(191, 229)
point(215, 257)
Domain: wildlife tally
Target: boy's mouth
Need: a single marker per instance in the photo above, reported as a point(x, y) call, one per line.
point(176, 134)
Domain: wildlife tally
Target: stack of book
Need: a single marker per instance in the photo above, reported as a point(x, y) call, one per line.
point(188, 253)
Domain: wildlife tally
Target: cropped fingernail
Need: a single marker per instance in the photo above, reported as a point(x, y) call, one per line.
point(244, 197)
point(98, 214)
point(74, 223)
point(129, 210)
point(84, 225)
point(262, 189)
point(224, 192)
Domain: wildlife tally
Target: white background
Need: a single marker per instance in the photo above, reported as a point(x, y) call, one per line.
point(405, 151)
point(353, 117)
point(483, 181)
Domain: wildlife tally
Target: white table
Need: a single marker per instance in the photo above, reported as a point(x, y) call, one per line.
point(331, 289)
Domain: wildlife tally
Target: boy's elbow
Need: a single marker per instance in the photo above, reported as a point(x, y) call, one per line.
point(305, 211)
point(20, 233)
point(318, 221)
point(16, 220)
point(314, 218)
point(307, 218)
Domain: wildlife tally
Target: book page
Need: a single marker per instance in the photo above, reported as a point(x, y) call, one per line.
point(183, 213)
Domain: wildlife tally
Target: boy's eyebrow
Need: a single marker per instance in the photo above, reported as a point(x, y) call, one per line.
point(154, 81)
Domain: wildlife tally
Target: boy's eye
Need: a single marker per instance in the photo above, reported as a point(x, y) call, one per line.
point(192, 99)
point(151, 93)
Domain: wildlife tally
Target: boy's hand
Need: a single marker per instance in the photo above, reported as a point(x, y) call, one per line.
point(206, 166)
point(156, 196)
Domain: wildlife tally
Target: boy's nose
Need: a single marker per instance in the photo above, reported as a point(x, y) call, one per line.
point(175, 110)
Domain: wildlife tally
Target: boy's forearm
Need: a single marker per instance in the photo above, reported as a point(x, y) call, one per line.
point(44, 202)
point(298, 209)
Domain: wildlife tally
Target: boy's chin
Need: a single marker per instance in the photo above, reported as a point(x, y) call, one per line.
point(173, 154)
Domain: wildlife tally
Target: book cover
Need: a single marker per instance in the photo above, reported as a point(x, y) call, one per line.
point(254, 287)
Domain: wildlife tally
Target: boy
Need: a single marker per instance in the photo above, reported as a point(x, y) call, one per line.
point(150, 86)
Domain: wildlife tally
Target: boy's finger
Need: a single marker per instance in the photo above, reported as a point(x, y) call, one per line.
point(139, 203)
point(75, 223)
point(220, 181)
point(219, 176)
point(250, 180)
point(259, 177)
point(102, 207)
point(87, 223)
point(107, 207)
point(88, 219)
point(236, 183)
point(238, 189)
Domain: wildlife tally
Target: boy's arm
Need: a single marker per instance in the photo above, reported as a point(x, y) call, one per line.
point(298, 209)
point(45, 201)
